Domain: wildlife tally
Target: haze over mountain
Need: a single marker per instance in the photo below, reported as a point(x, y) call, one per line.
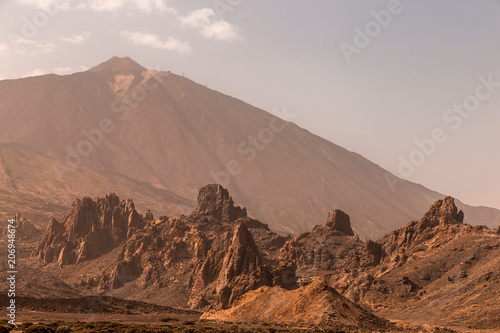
point(157, 137)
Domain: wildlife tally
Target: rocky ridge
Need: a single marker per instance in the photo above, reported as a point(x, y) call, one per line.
point(207, 258)
point(217, 256)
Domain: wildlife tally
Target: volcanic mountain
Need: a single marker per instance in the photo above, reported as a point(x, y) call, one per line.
point(158, 137)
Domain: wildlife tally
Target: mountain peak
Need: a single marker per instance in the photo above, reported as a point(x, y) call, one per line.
point(118, 65)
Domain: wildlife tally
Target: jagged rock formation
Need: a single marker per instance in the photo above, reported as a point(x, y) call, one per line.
point(241, 258)
point(328, 248)
point(441, 222)
point(211, 252)
point(214, 201)
point(90, 229)
point(409, 269)
point(218, 258)
point(435, 270)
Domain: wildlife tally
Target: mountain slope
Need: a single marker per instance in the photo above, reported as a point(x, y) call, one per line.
point(170, 133)
point(30, 185)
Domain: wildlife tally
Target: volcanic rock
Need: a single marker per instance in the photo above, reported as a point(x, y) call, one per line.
point(231, 268)
point(340, 221)
point(90, 229)
point(241, 257)
point(445, 211)
point(211, 253)
point(214, 200)
point(327, 248)
point(436, 270)
point(441, 222)
point(218, 258)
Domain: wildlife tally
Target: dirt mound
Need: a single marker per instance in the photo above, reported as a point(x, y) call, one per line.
point(315, 304)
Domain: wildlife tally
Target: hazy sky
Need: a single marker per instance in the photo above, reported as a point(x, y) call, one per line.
point(371, 76)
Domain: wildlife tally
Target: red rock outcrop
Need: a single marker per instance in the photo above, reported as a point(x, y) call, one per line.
point(436, 270)
point(340, 221)
point(215, 257)
point(326, 249)
point(211, 252)
point(90, 229)
point(440, 223)
point(214, 201)
point(232, 267)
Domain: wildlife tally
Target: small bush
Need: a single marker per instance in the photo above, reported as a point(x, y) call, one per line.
point(38, 329)
point(25, 325)
point(167, 319)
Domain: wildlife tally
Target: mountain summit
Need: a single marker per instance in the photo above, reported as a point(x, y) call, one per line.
point(158, 137)
point(118, 65)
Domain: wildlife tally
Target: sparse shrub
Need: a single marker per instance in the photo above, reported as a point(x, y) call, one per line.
point(38, 329)
point(25, 325)
point(64, 329)
point(167, 319)
point(5, 324)
point(132, 330)
point(4, 329)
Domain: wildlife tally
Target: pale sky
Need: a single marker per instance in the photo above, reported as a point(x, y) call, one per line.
point(371, 76)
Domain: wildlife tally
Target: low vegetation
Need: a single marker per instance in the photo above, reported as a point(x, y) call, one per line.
point(186, 327)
